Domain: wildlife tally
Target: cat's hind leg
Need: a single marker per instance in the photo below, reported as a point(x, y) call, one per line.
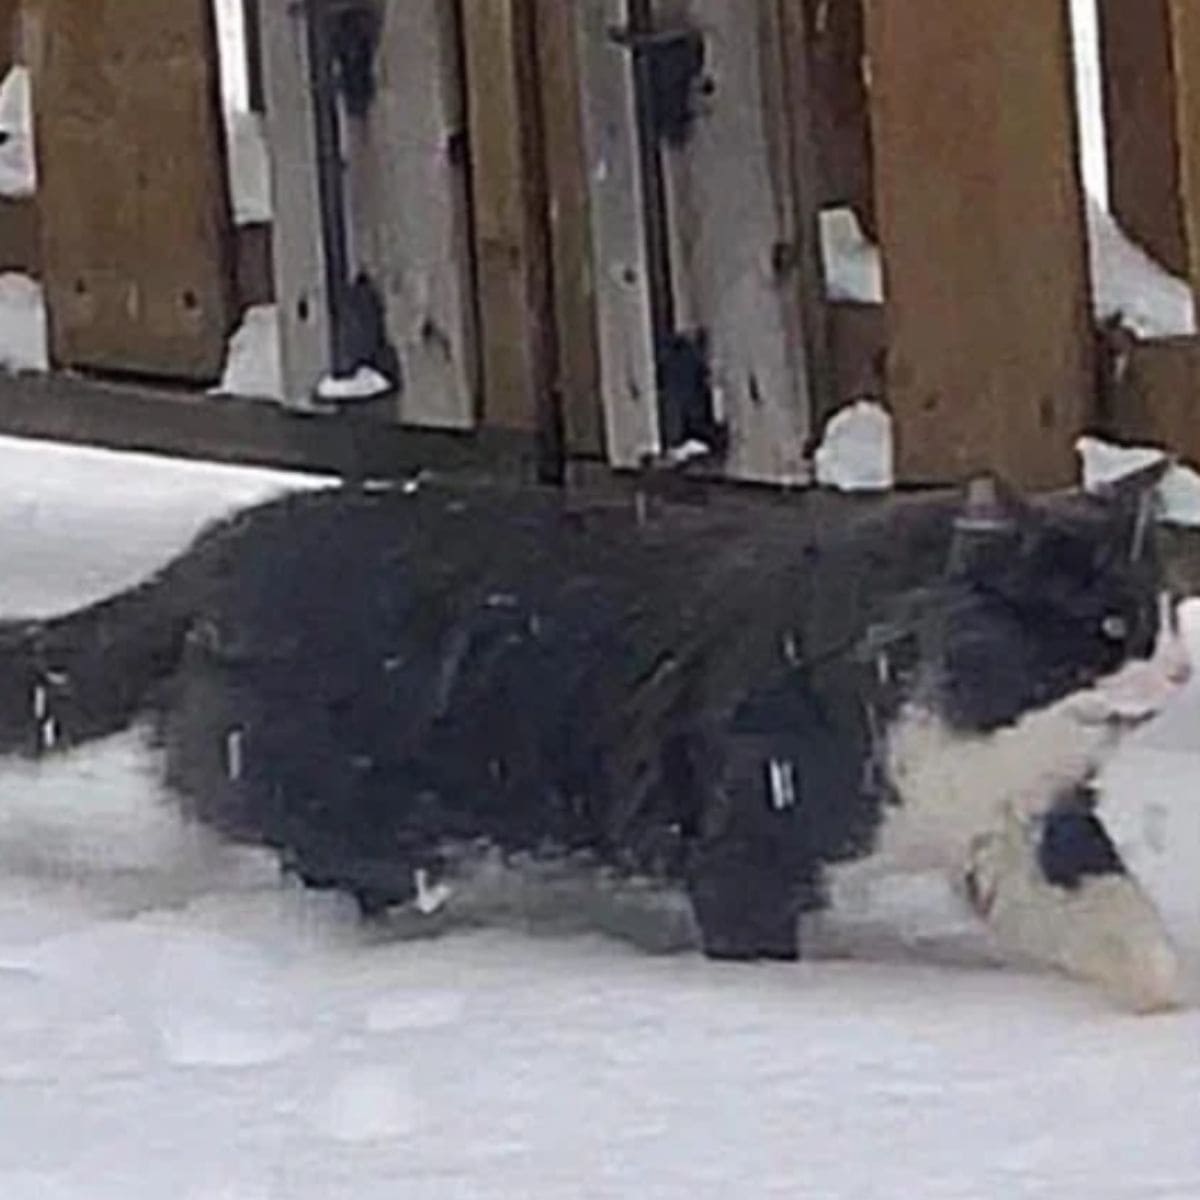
point(1054, 892)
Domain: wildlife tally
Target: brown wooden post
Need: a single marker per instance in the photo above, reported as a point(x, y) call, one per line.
point(577, 364)
point(136, 229)
point(982, 224)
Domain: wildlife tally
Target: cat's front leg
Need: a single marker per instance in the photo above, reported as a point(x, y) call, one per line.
point(1054, 892)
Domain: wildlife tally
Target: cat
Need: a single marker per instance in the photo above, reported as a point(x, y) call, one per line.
point(400, 691)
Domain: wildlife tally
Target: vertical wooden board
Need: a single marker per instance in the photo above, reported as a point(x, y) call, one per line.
point(627, 378)
point(1185, 40)
point(984, 243)
point(301, 292)
point(834, 49)
point(735, 274)
point(136, 243)
point(409, 212)
point(1138, 80)
point(577, 360)
point(10, 11)
point(505, 166)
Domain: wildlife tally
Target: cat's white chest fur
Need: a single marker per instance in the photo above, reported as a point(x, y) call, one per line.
point(953, 788)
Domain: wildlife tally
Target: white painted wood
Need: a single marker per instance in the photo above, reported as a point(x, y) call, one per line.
point(733, 212)
point(622, 293)
point(409, 212)
point(299, 263)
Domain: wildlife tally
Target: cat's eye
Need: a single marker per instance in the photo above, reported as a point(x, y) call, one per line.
point(1115, 628)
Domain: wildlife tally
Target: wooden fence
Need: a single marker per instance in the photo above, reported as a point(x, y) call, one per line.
point(597, 221)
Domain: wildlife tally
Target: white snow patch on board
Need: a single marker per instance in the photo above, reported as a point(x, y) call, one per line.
point(853, 267)
point(23, 334)
point(365, 383)
point(856, 453)
point(254, 366)
point(1130, 286)
point(18, 166)
point(1104, 462)
point(249, 167)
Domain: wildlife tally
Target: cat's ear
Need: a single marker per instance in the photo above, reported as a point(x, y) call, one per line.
point(989, 506)
point(987, 524)
point(1134, 501)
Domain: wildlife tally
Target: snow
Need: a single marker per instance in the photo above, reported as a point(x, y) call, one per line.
point(77, 523)
point(853, 265)
point(1127, 283)
point(1131, 286)
point(249, 167)
point(18, 170)
point(24, 342)
point(177, 1021)
point(856, 450)
point(1179, 492)
point(253, 366)
point(365, 383)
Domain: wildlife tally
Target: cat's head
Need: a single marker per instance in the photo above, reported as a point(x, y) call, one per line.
point(1051, 600)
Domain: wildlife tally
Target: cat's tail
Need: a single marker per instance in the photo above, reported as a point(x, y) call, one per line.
point(69, 679)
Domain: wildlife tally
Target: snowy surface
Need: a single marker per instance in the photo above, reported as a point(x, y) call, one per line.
point(77, 524)
point(175, 1023)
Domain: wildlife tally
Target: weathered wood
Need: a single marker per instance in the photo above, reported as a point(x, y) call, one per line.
point(577, 380)
point(1185, 31)
point(835, 50)
point(19, 235)
point(408, 185)
point(627, 377)
point(507, 177)
point(136, 244)
point(10, 12)
point(1154, 394)
point(255, 270)
point(735, 220)
point(300, 284)
point(982, 221)
point(1142, 125)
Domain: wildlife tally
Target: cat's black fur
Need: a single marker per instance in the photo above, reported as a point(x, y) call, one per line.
point(366, 681)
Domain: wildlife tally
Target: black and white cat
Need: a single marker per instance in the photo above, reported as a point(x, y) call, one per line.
point(409, 693)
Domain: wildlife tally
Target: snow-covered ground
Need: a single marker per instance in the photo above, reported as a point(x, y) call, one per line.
point(176, 1022)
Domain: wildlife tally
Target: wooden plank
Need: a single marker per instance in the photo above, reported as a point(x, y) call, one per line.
point(136, 244)
point(982, 221)
point(19, 235)
point(736, 245)
point(507, 188)
point(408, 186)
point(1153, 395)
point(10, 13)
point(1185, 37)
point(577, 381)
point(834, 42)
point(627, 378)
point(300, 286)
point(1141, 124)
